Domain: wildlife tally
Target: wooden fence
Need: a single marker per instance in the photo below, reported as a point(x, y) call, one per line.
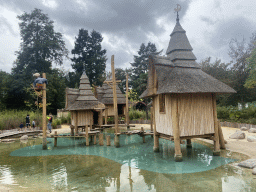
point(236, 125)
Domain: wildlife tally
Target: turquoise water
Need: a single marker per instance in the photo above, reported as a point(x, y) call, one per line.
point(136, 154)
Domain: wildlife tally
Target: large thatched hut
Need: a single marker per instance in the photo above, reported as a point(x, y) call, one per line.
point(184, 97)
point(105, 95)
point(84, 107)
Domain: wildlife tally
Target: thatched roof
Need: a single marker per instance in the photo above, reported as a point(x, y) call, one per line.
point(178, 72)
point(105, 95)
point(82, 98)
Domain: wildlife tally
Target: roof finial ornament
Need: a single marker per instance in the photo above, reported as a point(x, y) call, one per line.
point(177, 10)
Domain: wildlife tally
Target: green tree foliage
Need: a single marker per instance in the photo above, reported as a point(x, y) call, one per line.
point(5, 80)
point(251, 80)
point(89, 57)
point(140, 66)
point(40, 45)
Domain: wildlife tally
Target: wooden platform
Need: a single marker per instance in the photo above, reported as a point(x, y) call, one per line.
point(16, 133)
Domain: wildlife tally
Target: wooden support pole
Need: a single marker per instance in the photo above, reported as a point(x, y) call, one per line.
point(106, 116)
point(156, 136)
point(76, 122)
point(221, 137)
point(216, 151)
point(176, 131)
point(127, 104)
point(189, 145)
point(95, 139)
point(100, 118)
point(114, 94)
point(151, 117)
point(101, 139)
point(87, 135)
point(108, 140)
point(55, 139)
point(143, 136)
point(72, 130)
point(44, 114)
point(117, 144)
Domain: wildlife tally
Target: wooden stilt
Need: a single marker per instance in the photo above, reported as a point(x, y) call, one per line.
point(100, 118)
point(95, 139)
point(117, 144)
point(72, 130)
point(76, 122)
point(106, 116)
point(221, 137)
point(156, 136)
point(176, 131)
point(151, 117)
point(108, 140)
point(143, 136)
point(189, 145)
point(44, 115)
point(127, 104)
point(55, 139)
point(87, 135)
point(101, 139)
point(216, 151)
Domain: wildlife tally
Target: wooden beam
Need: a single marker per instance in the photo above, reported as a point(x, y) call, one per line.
point(106, 116)
point(87, 135)
point(151, 117)
point(176, 131)
point(156, 135)
point(127, 103)
point(221, 137)
point(108, 81)
point(76, 123)
point(216, 151)
point(44, 114)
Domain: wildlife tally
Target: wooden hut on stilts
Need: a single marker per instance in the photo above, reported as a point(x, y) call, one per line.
point(184, 97)
point(84, 107)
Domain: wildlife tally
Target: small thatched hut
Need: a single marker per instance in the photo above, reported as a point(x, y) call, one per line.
point(105, 95)
point(184, 97)
point(83, 105)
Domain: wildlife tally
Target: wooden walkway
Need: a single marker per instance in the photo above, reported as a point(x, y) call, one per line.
point(17, 133)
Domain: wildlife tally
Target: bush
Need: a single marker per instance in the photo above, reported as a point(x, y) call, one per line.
point(136, 114)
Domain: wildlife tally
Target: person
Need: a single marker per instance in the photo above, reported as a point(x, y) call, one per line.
point(49, 125)
point(21, 125)
point(27, 121)
point(33, 123)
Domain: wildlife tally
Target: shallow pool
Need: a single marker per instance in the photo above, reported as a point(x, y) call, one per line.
point(72, 166)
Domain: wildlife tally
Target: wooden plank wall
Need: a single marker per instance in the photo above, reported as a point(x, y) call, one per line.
point(195, 115)
point(110, 110)
point(84, 117)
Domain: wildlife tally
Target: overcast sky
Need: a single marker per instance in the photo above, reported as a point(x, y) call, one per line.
point(126, 24)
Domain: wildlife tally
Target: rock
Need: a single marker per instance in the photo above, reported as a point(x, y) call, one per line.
point(40, 134)
point(251, 138)
point(8, 140)
point(24, 137)
point(249, 163)
point(254, 171)
point(244, 129)
point(237, 135)
point(252, 130)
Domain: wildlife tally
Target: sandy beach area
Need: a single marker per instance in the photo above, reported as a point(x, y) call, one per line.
point(235, 145)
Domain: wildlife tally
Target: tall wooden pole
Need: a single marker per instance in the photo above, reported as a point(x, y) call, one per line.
point(44, 114)
point(216, 151)
point(127, 104)
point(115, 101)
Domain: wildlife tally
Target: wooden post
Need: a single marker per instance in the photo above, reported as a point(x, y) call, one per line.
point(106, 116)
point(156, 136)
point(55, 139)
point(189, 145)
point(100, 118)
point(114, 94)
point(151, 117)
point(221, 137)
point(143, 136)
point(87, 135)
point(44, 114)
point(101, 139)
point(117, 144)
point(216, 151)
point(108, 140)
point(95, 139)
point(176, 131)
point(76, 123)
point(127, 104)
point(72, 130)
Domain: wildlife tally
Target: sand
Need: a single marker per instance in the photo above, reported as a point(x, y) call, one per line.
point(235, 145)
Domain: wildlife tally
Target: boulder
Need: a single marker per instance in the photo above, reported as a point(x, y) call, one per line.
point(237, 135)
point(24, 137)
point(244, 129)
point(251, 138)
point(252, 130)
point(249, 163)
point(254, 171)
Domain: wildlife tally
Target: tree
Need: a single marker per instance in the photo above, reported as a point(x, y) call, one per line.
point(121, 75)
point(89, 56)
point(140, 66)
point(5, 80)
point(40, 45)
